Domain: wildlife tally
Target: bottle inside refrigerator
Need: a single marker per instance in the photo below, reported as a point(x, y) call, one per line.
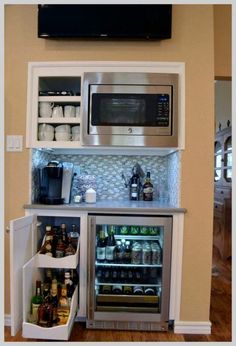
point(129, 272)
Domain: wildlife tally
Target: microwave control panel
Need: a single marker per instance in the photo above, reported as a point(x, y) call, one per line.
point(163, 110)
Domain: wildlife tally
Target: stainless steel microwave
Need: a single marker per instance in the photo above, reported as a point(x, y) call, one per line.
point(130, 109)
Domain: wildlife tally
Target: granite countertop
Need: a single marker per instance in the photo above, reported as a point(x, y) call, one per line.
point(113, 206)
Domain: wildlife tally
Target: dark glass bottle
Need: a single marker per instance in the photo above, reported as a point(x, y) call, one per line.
point(118, 252)
point(74, 234)
point(134, 186)
point(60, 248)
point(101, 247)
point(45, 310)
point(36, 301)
point(69, 250)
point(69, 285)
point(54, 299)
point(127, 252)
point(64, 234)
point(117, 289)
point(110, 245)
point(63, 309)
point(148, 188)
point(47, 248)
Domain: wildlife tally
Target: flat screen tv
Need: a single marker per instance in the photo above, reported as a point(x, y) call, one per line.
point(137, 21)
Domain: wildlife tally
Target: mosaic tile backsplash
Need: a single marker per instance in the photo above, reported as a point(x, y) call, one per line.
point(104, 173)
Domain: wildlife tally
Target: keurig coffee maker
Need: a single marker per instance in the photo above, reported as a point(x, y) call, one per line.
point(55, 181)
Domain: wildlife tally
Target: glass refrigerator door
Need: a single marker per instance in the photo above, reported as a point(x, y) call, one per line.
point(132, 264)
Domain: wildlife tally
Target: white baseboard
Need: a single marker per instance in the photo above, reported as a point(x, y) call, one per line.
point(180, 327)
point(192, 327)
point(7, 320)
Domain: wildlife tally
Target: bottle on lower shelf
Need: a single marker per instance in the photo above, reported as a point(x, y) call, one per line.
point(117, 289)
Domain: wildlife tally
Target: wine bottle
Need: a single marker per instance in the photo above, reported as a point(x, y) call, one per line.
point(101, 247)
point(110, 246)
point(134, 186)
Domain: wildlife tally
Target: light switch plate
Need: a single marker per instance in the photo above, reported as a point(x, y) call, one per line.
point(14, 143)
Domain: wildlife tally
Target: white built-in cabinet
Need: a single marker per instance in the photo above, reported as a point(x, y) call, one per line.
point(68, 76)
point(27, 266)
point(52, 79)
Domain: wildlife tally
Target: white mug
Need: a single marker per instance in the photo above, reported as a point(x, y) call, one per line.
point(63, 128)
point(45, 109)
point(57, 112)
point(69, 111)
point(77, 111)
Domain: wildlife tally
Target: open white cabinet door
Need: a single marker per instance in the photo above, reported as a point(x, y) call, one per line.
point(22, 248)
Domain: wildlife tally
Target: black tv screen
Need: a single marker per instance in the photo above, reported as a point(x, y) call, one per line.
point(105, 21)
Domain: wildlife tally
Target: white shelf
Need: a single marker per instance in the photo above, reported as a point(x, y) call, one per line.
point(58, 144)
point(44, 261)
point(59, 99)
point(59, 120)
point(125, 265)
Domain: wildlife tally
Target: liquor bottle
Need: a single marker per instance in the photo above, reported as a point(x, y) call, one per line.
point(48, 276)
point(127, 252)
point(74, 236)
point(60, 248)
point(36, 301)
point(148, 188)
point(63, 309)
point(45, 310)
point(54, 299)
point(134, 186)
point(46, 248)
point(101, 247)
point(69, 285)
point(69, 250)
point(64, 234)
point(110, 245)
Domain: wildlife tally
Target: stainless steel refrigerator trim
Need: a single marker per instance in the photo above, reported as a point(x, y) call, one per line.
point(93, 315)
point(129, 135)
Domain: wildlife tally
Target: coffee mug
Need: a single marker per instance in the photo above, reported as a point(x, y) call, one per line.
point(69, 111)
point(45, 109)
point(46, 128)
point(57, 112)
point(63, 128)
point(77, 111)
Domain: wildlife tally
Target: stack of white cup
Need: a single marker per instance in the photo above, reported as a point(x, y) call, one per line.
point(75, 133)
point(46, 132)
point(63, 133)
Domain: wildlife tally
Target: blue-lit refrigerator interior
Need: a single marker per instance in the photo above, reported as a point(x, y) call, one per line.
point(129, 264)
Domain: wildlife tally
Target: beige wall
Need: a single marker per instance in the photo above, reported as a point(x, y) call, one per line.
point(222, 40)
point(192, 43)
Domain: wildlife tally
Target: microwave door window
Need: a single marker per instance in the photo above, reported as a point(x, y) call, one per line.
point(118, 110)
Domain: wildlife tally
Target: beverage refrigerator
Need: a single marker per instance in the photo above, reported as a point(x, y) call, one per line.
point(129, 290)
